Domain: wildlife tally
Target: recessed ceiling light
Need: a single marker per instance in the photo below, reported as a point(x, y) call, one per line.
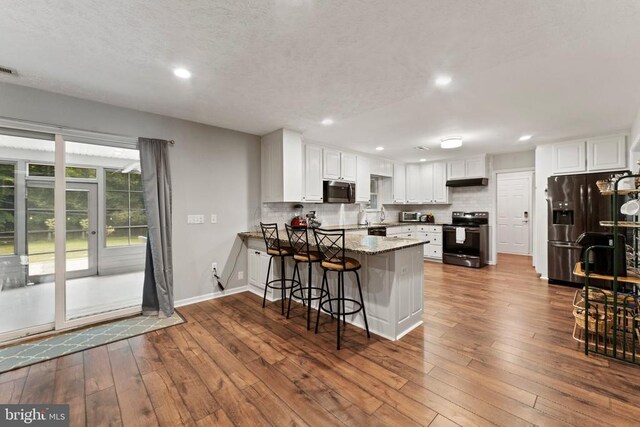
point(327, 122)
point(451, 142)
point(423, 160)
point(379, 148)
point(524, 138)
point(443, 80)
point(183, 73)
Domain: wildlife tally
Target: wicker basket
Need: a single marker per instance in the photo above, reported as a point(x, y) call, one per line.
point(594, 323)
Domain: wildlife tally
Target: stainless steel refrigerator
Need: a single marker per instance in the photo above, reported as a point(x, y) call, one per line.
point(574, 206)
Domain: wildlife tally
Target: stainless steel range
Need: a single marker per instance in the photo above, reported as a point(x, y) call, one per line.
point(466, 239)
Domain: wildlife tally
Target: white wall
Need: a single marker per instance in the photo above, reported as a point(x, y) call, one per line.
point(214, 170)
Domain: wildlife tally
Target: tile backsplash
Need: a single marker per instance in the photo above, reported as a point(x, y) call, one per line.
point(462, 199)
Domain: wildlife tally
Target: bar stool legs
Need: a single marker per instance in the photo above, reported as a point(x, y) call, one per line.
point(310, 288)
point(341, 312)
point(283, 280)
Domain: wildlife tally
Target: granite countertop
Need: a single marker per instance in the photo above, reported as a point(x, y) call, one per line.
point(367, 245)
point(378, 224)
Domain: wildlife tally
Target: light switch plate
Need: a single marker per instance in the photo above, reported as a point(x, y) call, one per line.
point(214, 219)
point(195, 219)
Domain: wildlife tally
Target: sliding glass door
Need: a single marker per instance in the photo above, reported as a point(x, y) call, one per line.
point(72, 231)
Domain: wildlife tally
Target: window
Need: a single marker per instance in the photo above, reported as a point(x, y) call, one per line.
point(7, 209)
point(71, 171)
point(126, 217)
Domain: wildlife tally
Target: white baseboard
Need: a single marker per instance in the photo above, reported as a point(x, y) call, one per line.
point(209, 296)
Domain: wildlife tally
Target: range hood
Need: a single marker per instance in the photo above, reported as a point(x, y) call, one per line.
point(468, 182)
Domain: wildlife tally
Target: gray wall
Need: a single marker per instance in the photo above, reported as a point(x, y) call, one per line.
point(214, 171)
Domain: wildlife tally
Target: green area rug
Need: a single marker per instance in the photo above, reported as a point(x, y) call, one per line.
point(36, 351)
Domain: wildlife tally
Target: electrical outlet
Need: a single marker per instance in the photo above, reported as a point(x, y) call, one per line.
point(214, 219)
point(214, 267)
point(195, 219)
point(240, 275)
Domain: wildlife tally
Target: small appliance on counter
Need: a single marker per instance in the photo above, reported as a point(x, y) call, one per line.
point(601, 259)
point(410, 216)
point(428, 218)
point(312, 220)
point(298, 220)
point(362, 217)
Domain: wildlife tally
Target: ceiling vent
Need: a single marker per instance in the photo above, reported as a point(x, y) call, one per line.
point(7, 70)
point(421, 148)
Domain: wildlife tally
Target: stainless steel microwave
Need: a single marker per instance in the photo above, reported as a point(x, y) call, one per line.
point(339, 192)
point(409, 216)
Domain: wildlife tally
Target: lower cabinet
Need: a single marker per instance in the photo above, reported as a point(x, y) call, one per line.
point(432, 233)
point(258, 264)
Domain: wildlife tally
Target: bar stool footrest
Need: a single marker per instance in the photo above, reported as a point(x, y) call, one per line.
point(278, 284)
point(295, 293)
point(339, 301)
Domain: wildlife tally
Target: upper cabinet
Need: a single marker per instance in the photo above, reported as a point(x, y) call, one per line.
point(399, 183)
point(568, 157)
point(281, 160)
point(434, 183)
point(607, 153)
point(413, 184)
point(471, 167)
point(312, 174)
point(363, 180)
point(381, 167)
point(593, 155)
point(339, 166)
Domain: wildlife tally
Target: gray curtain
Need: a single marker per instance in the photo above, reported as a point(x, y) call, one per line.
point(157, 295)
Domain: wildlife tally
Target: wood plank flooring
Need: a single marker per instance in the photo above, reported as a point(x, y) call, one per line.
point(495, 349)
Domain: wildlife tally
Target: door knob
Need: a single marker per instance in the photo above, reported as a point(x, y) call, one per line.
point(93, 232)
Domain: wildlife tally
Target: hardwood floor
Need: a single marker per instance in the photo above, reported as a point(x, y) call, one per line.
point(495, 348)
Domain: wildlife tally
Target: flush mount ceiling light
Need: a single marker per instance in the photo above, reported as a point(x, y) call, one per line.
point(183, 73)
point(423, 160)
point(524, 138)
point(379, 148)
point(443, 80)
point(327, 122)
point(451, 142)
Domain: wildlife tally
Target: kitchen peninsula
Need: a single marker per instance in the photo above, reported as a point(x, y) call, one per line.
point(392, 277)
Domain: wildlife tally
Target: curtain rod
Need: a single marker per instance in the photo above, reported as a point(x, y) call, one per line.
point(172, 142)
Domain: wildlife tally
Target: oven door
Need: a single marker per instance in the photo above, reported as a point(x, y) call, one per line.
point(470, 246)
point(339, 192)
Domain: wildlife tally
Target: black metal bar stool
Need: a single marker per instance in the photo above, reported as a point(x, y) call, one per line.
point(299, 241)
point(331, 247)
point(275, 249)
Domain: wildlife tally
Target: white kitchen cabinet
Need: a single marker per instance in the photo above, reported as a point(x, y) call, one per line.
point(413, 184)
point(257, 266)
point(348, 167)
point(399, 183)
point(607, 153)
point(432, 233)
point(312, 174)
point(363, 180)
point(337, 165)
point(475, 167)
point(441, 192)
point(331, 164)
point(471, 167)
point(282, 161)
point(434, 183)
point(568, 157)
point(382, 167)
point(456, 169)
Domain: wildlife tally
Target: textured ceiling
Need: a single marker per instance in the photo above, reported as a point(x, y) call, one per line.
point(556, 69)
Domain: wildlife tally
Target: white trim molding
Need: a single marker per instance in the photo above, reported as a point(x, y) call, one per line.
point(210, 296)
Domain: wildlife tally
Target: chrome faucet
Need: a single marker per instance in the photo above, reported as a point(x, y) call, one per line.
point(383, 216)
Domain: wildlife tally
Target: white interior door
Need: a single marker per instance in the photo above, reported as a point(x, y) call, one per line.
point(514, 212)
